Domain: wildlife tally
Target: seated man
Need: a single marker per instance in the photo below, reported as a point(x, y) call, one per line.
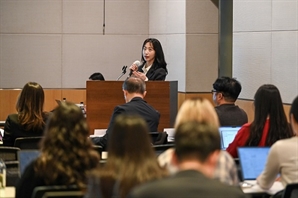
point(197, 147)
point(225, 92)
point(134, 90)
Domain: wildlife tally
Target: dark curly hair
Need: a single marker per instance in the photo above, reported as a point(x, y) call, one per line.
point(67, 154)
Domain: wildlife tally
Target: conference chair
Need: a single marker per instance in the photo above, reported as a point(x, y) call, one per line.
point(57, 191)
point(291, 191)
point(161, 148)
point(8, 153)
point(27, 142)
point(12, 173)
point(99, 150)
point(158, 138)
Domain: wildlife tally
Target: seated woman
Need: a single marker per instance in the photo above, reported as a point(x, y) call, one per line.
point(131, 160)
point(283, 157)
point(202, 110)
point(30, 119)
point(269, 125)
point(67, 154)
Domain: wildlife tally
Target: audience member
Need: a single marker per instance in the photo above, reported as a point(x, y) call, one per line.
point(67, 154)
point(197, 148)
point(154, 66)
point(96, 76)
point(201, 110)
point(131, 160)
point(283, 157)
point(269, 124)
point(134, 90)
point(30, 118)
point(225, 93)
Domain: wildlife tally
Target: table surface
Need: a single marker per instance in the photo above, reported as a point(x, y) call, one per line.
point(8, 192)
point(255, 188)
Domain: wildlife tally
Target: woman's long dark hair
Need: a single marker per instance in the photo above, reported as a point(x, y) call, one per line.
point(268, 104)
point(159, 60)
point(30, 107)
point(131, 160)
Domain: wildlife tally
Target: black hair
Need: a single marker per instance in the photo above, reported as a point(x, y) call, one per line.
point(97, 76)
point(294, 109)
point(268, 103)
point(159, 60)
point(229, 87)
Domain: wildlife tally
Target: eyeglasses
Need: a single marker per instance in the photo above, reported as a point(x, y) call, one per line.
point(213, 91)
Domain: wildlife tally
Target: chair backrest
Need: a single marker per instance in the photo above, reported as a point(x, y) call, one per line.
point(291, 191)
point(99, 150)
point(8, 153)
point(27, 142)
point(12, 173)
point(47, 191)
point(159, 138)
point(64, 194)
point(162, 147)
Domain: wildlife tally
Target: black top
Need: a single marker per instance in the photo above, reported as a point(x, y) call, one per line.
point(137, 106)
point(28, 182)
point(187, 183)
point(13, 129)
point(231, 115)
point(155, 72)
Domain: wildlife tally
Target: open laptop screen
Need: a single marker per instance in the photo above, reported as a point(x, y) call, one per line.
point(252, 161)
point(227, 135)
point(25, 157)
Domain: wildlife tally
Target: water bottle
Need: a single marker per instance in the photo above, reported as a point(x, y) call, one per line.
point(2, 174)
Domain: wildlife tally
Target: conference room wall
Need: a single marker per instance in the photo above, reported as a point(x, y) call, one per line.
point(188, 30)
point(60, 43)
point(265, 46)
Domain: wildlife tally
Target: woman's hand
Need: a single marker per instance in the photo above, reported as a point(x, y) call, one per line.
point(140, 75)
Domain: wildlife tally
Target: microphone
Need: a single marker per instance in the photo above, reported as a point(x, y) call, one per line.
point(123, 72)
point(138, 63)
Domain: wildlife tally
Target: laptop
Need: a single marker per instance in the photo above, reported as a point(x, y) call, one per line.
point(171, 134)
point(227, 135)
point(25, 157)
point(252, 161)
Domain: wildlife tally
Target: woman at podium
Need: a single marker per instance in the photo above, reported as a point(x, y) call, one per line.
point(153, 65)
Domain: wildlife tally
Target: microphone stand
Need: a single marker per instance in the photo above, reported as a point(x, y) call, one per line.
point(123, 72)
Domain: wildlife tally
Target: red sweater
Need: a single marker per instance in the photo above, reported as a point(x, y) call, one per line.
point(243, 135)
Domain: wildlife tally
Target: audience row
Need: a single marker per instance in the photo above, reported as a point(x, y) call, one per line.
point(132, 169)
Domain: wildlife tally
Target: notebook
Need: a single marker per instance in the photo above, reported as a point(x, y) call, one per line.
point(252, 161)
point(25, 157)
point(227, 135)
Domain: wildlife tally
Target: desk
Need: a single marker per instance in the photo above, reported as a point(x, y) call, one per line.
point(256, 189)
point(8, 192)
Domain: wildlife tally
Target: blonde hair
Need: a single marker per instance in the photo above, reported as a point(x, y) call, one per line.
point(197, 109)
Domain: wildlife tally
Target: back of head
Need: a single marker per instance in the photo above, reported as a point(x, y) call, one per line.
point(196, 141)
point(96, 76)
point(128, 133)
point(159, 55)
point(197, 109)
point(131, 160)
point(268, 104)
point(66, 151)
point(134, 85)
point(229, 87)
point(294, 109)
point(66, 127)
point(30, 106)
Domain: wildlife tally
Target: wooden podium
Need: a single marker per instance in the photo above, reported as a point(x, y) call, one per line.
point(103, 96)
